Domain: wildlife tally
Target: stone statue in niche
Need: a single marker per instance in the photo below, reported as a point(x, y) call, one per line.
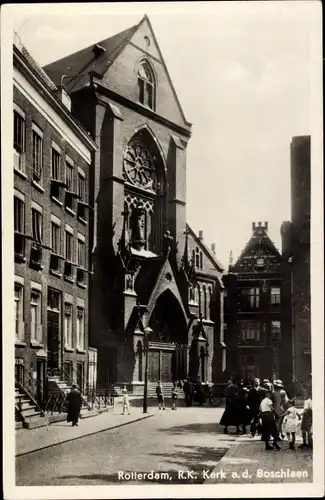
point(129, 282)
point(192, 293)
point(138, 227)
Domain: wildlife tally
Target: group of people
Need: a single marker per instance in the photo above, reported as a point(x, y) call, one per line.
point(267, 409)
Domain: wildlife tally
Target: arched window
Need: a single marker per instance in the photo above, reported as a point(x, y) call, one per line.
point(146, 85)
point(199, 298)
point(193, 258)
point(201, 260)
point(197, 258)
point(205, 302)
point(210, 301)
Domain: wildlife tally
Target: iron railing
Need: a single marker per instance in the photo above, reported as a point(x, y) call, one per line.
point(28, 388)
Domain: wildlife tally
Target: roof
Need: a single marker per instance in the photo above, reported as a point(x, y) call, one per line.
point(79, 64)
point(207, 251)
point(259, 237)
point(35, 66)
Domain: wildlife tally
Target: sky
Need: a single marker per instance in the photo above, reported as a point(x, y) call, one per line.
point(242, 73)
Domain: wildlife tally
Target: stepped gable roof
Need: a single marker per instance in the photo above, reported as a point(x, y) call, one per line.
point(220, 267)
point(259, 237)
point(84, 61)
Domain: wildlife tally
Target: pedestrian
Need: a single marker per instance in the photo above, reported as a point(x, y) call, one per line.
point(307, 422)
point(160, 396)
point(280, 400)
point(242, 407)
point(268, 422)
point(187, 388)
point(230, 415)
point(174, 396)
point(74, 399)
point(290, 423)
point(179, 384)
point(126, 403)
point(254, 399)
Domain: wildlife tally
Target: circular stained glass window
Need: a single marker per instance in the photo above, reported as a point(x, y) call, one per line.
point(139, 166)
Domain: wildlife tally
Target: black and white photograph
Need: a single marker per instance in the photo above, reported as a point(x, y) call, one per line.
point(162, 242)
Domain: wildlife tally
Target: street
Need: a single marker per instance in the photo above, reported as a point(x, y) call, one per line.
point(182, 443)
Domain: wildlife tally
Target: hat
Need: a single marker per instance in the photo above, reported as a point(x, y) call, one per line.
point(278, 383)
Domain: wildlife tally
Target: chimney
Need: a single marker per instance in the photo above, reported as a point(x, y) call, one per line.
point(253, 226)
point(64, 97)
point(213, 248)
point(201, 235)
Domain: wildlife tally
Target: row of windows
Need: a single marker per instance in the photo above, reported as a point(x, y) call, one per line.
point(72, 246)
point(36, 326)
point(72, 180)
point(252, 330)
point(250, 297)
point(202, 295)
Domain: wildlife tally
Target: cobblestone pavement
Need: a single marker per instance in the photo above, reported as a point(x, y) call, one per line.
point(248, 462)
point(178, 446)
point(28, 440)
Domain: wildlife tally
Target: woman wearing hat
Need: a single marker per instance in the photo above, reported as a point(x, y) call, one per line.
point(280, 400)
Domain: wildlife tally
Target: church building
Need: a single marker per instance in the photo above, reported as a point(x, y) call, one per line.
point(155, 284)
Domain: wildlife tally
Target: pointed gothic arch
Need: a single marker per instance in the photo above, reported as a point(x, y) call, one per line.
point(168, 320)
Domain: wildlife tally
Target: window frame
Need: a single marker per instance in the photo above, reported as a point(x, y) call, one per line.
point(80, 333)
point(146, 85)
point(68, 325)
point(37, 225)
point(36, 304)
point(275, 297)
point(37, 155)
point(19, 318)
point(19, 116)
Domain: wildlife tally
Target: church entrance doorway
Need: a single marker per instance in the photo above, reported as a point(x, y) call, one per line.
point(167, 357)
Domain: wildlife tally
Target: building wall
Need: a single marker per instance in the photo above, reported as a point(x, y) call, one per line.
point(78, 294)
point(300, 248)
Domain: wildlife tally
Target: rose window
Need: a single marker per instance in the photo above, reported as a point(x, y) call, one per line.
point(139, 166)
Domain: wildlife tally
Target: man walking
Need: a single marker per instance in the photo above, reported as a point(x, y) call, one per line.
point(74, 405)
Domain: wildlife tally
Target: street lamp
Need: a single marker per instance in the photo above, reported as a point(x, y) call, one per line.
point(147, 332)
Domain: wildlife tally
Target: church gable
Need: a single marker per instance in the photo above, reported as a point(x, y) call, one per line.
point(260, 254)
point(140, 74)
point(203, 259)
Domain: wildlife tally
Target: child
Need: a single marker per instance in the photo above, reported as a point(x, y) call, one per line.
point(290, 422)
point(174, 396)
point(307, 422)
point(160, 396)
point(268, 422)
point(126, 404)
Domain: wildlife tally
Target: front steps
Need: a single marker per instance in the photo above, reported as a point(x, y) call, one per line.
point(27, 412)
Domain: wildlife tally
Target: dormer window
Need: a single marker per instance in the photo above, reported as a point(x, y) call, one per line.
point(146, 85)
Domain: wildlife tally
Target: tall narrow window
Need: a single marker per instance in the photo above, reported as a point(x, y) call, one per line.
point(276, 330)
point(37, 144)
point(81, 253)
point(19, 132)
point(55, 238)
point(68, 325)
point(69, 176)
point(19, 141)
point(80, 328)
point(68, 245)
point(19, 320)
point(19, 227)
point(201, 260)
point(205, 302)
point(146, 86)
point(81, 187)
point(36, 316)
point(197, 258)
point(56, 165)
point(37, 221)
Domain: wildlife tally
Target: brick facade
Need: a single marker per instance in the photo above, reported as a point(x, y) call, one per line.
point(296, 249)
point(38, 271)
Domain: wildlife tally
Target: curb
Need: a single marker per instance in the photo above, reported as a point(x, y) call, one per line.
point(79, 437)
point(227, 455)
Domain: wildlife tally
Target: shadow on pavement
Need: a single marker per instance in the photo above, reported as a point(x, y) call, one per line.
point(189, 464)
point(212, 427)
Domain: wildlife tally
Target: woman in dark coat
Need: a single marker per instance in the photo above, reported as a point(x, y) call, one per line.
point(230, 415)
point(74, 405)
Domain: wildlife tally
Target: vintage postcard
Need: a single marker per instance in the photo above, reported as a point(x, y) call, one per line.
point(162, 245)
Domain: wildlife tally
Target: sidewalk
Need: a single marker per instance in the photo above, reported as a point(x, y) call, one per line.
point(29, 440)
point(248, 462)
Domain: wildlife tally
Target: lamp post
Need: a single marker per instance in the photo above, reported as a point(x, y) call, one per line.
point(147, 332)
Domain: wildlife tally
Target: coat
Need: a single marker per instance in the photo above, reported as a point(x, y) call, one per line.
point(74, 399)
